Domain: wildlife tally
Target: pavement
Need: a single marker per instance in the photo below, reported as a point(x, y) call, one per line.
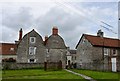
point(84, 76)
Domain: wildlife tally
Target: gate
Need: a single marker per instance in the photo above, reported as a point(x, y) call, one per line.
point(53, 65)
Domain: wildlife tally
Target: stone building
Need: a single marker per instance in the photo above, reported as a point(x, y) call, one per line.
point(56, 48)
point(98, 52)
point(71, 58)
point(31, 48)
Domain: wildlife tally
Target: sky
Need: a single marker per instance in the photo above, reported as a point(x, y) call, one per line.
point(73, 18)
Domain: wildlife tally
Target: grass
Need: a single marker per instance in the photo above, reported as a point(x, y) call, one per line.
point(38, 74)
point(97, 74)
point(41, 74)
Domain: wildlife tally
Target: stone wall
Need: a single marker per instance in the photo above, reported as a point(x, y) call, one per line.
point(55, 55)
point(95, 66)
point(12, 65)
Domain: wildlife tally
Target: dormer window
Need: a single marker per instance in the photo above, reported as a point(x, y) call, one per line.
point(32, 39)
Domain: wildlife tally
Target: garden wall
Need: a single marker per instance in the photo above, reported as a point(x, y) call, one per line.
point(14, 65)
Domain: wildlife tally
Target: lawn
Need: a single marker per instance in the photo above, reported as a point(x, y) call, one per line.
point(41, 74)
point(97, 74)
point(38, 74)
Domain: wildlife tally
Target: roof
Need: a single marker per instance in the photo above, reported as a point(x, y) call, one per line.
point(8, 48)
point(101, 41)
point(31, 33)
point(72, 51)
point(55, 42)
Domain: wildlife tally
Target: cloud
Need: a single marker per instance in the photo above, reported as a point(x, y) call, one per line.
point(71, 23)
point(9, 35)
point(16, 20)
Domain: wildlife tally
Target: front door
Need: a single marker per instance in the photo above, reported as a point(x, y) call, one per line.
point(114, 68)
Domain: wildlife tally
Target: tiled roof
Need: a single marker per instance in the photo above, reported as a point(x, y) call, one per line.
point(8, 48)
point(102, 41)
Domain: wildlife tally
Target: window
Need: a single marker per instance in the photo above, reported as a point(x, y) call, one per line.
point(105, 51)
point(75, 57)
point(32, 50)
point(11, 49)
point(31, 60)
point(55, 41)
point(83, 52)
point(47, 50)
point(83, 40)
point(114, 51)
point(72, 57)
point(32, 39)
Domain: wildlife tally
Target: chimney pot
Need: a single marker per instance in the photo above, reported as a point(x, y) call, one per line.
point(55, 31)
point(100, 33)
point(46, 37)
point(20, 34)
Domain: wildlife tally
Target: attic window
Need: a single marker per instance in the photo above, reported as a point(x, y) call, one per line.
point(11, 49)
point(32, 39)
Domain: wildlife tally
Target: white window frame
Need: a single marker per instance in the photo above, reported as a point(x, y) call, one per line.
point(106, 51)
point(83, 51)
point(83, 41)
point(32, 38)
point(11, 49)
point(31, 62)
point(32, 50)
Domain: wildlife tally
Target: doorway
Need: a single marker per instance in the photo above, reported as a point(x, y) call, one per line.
point(114, 67)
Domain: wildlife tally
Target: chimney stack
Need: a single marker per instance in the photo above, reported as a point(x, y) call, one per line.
point(46, 38)
point(100, 33)
point(20, 34)
point(55, 31)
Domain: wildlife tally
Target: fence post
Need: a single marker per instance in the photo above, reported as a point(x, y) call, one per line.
point(45, 66)
point(60, 65)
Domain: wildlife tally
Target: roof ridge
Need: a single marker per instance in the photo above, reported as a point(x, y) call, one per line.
point(7, 43)
point(101, 37)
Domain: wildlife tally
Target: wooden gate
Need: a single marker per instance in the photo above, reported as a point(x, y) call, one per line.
point(53, 65)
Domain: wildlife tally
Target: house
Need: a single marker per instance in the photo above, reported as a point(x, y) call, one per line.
point(56, 48)
point(73, 54)
point(8, 51)
point(98, 53)
point(31, 48)
point(71, 58)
